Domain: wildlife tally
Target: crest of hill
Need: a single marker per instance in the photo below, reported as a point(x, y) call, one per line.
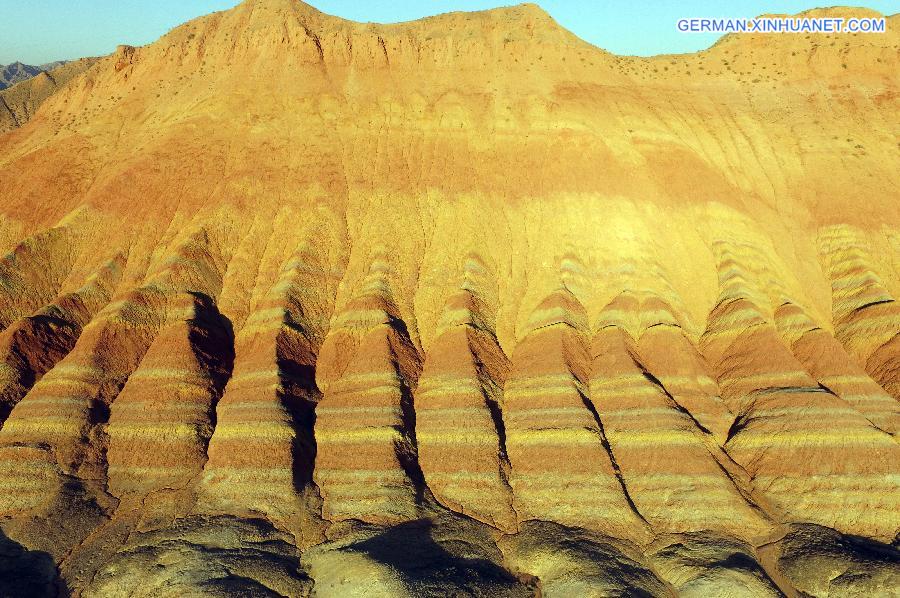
point(814, 54)
point(256, 67)
point(265, 39)
point(10, 74)
point(19, 102)
point(761, 59)
point(262, 48)
point(264, 27)
point(260, 44)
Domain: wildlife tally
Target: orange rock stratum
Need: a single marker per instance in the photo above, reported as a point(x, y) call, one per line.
point(463, 306)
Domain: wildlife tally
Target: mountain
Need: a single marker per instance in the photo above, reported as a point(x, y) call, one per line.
point(21, 100)
point(49, 66)
point(464, 305)
point(10, 74)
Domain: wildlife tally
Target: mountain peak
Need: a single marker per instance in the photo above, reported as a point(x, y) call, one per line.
point(526, 17)
point(273, 34)
point(11, 74)
point(459, 306)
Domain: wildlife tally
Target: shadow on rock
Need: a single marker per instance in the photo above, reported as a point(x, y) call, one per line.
point(410, 550)
point(423, 558)
point(823, 562)
point(26, 572)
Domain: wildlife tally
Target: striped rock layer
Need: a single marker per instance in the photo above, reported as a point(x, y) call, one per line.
point(657, 443)
point(262, 452)
point(366, 465)
point(460, 306)
point(551, 421)
point(323, 408)
point(462, 381)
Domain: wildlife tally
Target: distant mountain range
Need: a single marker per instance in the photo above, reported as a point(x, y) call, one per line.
point(24, 87)
point(10, 74)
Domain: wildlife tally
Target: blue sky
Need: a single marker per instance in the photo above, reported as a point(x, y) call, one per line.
point(38, 31)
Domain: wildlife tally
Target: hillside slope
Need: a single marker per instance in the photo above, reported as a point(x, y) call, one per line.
point(21, 100)
point(10, 74)
point(463, 304)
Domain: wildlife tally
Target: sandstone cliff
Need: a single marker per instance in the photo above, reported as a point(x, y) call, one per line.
point(292, 303)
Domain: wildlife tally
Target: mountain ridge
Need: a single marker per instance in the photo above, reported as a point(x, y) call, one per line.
point(19, 102)
point(295, 305)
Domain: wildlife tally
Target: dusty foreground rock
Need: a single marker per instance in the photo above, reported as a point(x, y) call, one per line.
point(463, 306)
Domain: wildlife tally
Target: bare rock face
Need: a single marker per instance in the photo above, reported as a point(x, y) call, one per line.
point(821, 562)
point(294, 305)
point(711, 565)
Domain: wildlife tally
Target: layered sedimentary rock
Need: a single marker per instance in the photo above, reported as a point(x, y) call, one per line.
point(161, 421)
point(465, 466)
point(793, 436)
point(827, 361)
point(262, 452)
point(292, 304)
point(32, 345)
point(865, 311)
point(366, 465)
point(670, 356)
point(562, 468)
point(674, 470)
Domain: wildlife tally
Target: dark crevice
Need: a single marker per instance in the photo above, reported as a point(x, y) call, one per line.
point(98, 412)
point(211, 338)
point(295, 362)
point(505, 466)
point(497, 416)
point(828, 390)
point(791, 389)
point(612, 456)
point(315, 39)
point(485, 380)
point(871, 304)
point(552, 324)
point(407, 452)
point(658, 324)
point(672, 400)
point(849, 404)
point(399, 326)
point(384, 51)
point(745, 493)
point(740, 422)
point(299, 399)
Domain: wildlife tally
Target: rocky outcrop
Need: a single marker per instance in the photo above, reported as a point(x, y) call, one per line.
point(293, 305)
